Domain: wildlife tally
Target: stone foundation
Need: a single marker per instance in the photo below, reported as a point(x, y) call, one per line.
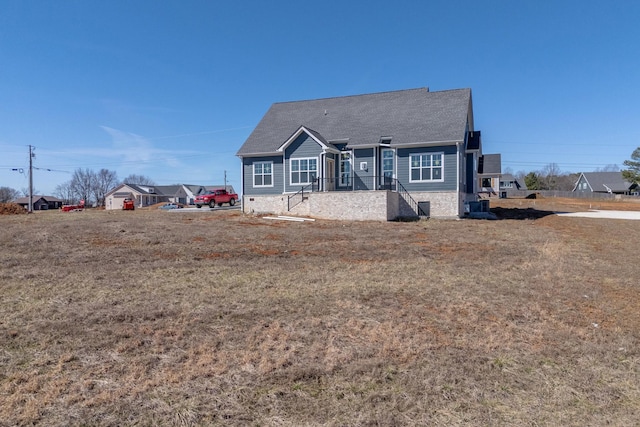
point(354, 205)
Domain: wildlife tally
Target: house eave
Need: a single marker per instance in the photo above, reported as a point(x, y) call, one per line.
point(357, 146)
point(264, 154)
point(429, 143)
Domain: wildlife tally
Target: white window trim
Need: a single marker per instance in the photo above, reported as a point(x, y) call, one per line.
point(427, 154)
point(253, 176)
point(350, 174)
point(393, 161)
point(291, 183)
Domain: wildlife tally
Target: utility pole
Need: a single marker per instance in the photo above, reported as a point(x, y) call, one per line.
point(31, 156)
point(225, 180)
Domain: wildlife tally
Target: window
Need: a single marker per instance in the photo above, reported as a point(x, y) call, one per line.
point(426, 167)
point(263, 174)
point(303, 171)
point(345, 168)
point(387, 163)
point(486, 183)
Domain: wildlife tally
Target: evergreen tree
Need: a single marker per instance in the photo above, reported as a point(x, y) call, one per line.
point(633, 173)
point(532, 181)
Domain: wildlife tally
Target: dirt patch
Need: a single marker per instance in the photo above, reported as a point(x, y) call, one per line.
point(11, 209)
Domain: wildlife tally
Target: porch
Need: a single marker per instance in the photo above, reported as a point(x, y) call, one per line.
point(368, 198)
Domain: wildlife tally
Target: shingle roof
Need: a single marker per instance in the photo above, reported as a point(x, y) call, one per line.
point(23, 200)
point(603, 181)
point(491, 164)
point(167, 190)
point(408, 116)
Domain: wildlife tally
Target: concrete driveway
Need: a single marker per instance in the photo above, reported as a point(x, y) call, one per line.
point(605, 214)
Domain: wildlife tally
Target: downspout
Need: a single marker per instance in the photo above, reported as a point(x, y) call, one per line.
point(284, 171)
point(241, 184)
point(321, 173)
point(460, 200)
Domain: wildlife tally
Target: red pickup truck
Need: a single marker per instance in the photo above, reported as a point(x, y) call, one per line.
point(216, 197)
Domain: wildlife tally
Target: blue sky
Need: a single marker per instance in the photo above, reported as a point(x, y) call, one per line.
point(171, 89)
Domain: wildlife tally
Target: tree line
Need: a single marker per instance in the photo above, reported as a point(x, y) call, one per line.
point(85, 184)
point(552, 178)
point(92, 186)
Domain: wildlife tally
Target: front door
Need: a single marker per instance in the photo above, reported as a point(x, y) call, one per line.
point(344, 179)
point(387, 169)
point(330, 175)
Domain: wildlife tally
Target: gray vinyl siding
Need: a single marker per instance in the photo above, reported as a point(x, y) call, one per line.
point(450, 168)
point(582, 181)
point(302, 147)
point(363, 180)
point(247, 176)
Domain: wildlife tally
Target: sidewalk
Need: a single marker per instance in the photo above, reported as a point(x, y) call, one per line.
point(605, 214)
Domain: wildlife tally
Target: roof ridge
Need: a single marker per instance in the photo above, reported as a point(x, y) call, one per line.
point(356, 95)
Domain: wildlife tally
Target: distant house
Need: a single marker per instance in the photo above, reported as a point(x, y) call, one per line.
point(144, 195)
point(147, 195)
point(175, 193)
point(192, 191)
point(209, 188)
point(604, 182)
point(378, 156)
point(40, 203)
point(510, 184)
point(489, 173)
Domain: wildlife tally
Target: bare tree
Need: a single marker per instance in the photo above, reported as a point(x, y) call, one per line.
point(8, 194)
point(104, 181)
point(25, 191)
point(82, 183)
point(65, 193)
point(138, 179)
point(566, 182)
point(609, 168)
point(550, 174)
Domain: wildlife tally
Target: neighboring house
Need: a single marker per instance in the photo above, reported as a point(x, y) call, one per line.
point(40, 203)
point(175, 193)
point(604, 182)
point(378, 156)
point(509, 184)
point(192, 191)
point(489, 173)
point(208, 188)
point(144, 195)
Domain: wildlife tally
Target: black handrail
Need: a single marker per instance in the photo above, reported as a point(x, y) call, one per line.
point(407, 197)
point(356, 183)
point(301, 193)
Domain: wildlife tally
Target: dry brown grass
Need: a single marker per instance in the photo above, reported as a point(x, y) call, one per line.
point(214, 318)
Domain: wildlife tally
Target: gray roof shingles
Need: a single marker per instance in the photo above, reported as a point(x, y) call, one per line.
point(602, 181)
point(408, 116)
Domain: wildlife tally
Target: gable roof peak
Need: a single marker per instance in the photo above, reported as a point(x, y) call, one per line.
point(329, 98)
point(410, 116)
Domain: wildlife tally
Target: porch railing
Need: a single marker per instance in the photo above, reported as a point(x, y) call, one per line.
point(297, 198)
point(415, 206)
point(355, 183)
point(367, 183)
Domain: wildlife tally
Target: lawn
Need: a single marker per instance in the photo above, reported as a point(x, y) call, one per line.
point(112, 318)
